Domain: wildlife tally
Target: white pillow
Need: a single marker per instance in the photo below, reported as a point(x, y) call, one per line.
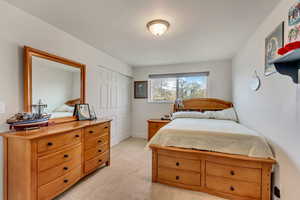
point(64, 108)
point(227, 114)
point(186, 114)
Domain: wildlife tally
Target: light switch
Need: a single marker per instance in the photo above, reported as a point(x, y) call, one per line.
point(2, 107)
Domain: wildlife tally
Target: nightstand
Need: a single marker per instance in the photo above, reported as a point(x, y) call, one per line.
point(154, 125)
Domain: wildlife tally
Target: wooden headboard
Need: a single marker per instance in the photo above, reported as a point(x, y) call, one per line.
point(203, 104)
point(73, 102)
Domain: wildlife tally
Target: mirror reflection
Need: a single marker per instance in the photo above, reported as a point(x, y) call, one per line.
point(55, 84)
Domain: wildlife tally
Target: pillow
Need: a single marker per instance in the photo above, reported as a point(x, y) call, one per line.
point(64, 108)
point(185, 114)
point(227, 114)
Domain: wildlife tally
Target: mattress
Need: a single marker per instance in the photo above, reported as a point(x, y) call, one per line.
point(223, 136)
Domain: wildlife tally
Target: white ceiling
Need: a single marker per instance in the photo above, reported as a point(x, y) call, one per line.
point(200, 30)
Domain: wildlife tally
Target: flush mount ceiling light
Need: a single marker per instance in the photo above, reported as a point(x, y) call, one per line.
point(158, 26)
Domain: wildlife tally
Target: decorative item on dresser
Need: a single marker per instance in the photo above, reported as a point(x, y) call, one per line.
point(232, 176)
point(154, 125)
point(41, 164)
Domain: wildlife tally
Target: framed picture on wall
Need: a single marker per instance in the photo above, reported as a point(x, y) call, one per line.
point(273, 42)
point(140, 89)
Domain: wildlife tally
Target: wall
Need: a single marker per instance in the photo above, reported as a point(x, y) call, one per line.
point(219, 87)
point(19, 29)
point(273, 110)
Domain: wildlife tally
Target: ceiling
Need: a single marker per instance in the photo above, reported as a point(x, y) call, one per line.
point(200, 30)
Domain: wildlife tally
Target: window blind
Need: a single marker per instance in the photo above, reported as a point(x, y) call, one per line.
point(178, 75)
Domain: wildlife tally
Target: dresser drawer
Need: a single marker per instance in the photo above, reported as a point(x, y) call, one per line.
point(53, 142)
point(179, 176)
point(57, 186)
point(95, 162)
point(96, 131)
point(179, 163)
point(240, 188)
point(233, 172)
point(94, 142)
point(91, 153)
point(51, 174)
point(55, 159)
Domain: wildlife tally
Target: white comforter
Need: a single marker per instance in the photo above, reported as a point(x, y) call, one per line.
point(213, 135)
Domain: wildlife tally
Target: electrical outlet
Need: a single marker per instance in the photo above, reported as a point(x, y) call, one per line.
point(277, 192)
point(2, 107)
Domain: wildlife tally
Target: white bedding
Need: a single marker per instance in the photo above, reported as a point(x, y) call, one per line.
point(61, 114)
point(213, 135)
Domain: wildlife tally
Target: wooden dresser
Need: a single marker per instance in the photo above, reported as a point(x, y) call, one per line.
point(154, 125)
point(41, 164)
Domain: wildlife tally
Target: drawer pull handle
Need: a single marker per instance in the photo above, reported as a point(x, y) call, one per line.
point(99, 141)
point(49, 143)
point(66, 180)
point(99, 160)
point(106, 127)
point(232, 173)
point(66, 168)
point(99, 150)
point(231, 188)
point(91, 132)
point(66, 156)
point(177, 177)
point(177, 164)
point(77, 136)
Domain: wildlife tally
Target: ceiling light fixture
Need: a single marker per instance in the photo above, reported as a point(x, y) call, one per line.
point(158, 26)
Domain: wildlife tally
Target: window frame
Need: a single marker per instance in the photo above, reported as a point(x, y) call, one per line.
point(177, 75)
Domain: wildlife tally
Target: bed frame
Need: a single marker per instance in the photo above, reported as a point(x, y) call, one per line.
point(229, 176)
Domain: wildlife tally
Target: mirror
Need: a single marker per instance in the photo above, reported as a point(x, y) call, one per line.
point(55, 81)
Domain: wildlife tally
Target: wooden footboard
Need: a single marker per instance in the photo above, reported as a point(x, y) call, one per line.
point(230, 176)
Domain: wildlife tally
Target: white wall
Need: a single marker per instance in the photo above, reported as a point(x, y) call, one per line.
point(219, 87)
point(273, 110)
point(19, 29)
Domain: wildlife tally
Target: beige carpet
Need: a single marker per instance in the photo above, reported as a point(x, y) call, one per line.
point(128, 178)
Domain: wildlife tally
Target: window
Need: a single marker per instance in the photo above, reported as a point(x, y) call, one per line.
point(169, 87)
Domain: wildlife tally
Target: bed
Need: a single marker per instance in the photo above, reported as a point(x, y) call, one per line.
point(219, 157)
point(66, 110)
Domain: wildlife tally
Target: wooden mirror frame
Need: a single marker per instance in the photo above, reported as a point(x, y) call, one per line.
point(28, 53)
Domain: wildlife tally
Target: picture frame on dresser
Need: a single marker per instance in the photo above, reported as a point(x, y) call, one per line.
point(82, 112)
